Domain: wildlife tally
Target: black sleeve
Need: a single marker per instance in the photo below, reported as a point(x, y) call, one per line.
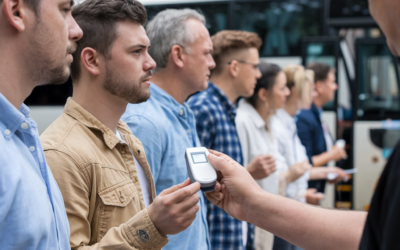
point(382, 228)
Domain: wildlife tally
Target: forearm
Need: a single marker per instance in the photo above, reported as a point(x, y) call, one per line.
point(321, 159)
point(126, 236)
point(306, 226)
point(318, 173)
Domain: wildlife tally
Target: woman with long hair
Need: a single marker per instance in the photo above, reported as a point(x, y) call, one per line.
point(257, 138)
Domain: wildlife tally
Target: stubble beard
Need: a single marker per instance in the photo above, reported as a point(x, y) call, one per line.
point(124, 89)
point(44, 67)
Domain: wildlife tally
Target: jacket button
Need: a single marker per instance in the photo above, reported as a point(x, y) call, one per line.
point(143, 236)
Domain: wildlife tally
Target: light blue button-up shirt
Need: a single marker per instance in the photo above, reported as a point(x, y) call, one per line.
point(32, 213)
point(166, 128)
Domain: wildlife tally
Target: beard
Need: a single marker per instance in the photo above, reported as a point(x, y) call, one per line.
point(124, 89)
point(45, 63)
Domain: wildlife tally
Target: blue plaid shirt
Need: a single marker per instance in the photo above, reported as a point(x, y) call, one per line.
point(215, 122)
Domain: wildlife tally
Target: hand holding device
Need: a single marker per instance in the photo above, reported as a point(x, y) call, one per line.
point(262, 166)
point(199, 168)
point(175, 208)
point(237, 189)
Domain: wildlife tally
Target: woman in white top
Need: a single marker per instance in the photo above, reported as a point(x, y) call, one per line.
point(301, 85)
point(254, 130)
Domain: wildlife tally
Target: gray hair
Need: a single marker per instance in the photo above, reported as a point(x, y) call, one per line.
point(168, 28)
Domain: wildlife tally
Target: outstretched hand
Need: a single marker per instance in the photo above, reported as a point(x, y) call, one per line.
point(235, 189)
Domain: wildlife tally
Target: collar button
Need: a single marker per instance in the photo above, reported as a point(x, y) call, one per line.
point(181, 112)
point(7, 132)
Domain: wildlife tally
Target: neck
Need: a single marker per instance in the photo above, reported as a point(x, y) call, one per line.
point(318, 102)
point(225, 84)
point(107, 108)
point(169, 81)
point(263, 110)
point(291, 106)
point(15, 81)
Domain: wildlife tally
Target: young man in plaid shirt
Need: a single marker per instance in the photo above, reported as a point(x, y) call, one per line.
point(235, 75)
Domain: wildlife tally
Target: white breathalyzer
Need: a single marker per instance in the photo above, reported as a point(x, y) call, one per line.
point(199, 168)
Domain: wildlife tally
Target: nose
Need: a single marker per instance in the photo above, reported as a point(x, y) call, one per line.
point(211, 63)
point(149, 64)
point(74, 31)
point(258, 74)
point(336, 86)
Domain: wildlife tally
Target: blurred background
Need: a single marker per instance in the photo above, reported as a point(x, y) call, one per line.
point(341, 33)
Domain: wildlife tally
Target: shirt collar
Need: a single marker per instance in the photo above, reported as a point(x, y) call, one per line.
point(11, 118)
point(77, 112)
point(286, 119)
point(167, 100)
point(252, 112)
point(230, 108)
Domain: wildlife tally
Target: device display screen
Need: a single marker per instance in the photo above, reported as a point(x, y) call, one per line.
point(200, 157)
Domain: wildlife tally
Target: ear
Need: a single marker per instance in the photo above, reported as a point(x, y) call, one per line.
point(263, 95)
point(90, 60)
point(177, 56)
point(318, 86)
point(234, 68)
point(16, 12)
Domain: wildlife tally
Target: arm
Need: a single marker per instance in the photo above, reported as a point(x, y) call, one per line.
point(159, 219)
point(260, 166)
point(305, 226)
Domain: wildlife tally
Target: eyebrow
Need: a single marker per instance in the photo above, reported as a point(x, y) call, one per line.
point(139, 46)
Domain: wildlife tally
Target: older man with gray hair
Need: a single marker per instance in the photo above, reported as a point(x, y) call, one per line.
point(181, 47)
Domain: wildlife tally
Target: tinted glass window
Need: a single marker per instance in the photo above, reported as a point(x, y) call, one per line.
point(348, 8)
point(378, 85)
point(280, 24)
point(216, 13)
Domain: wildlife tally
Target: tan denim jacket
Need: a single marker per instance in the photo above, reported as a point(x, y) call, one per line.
point(99, 182)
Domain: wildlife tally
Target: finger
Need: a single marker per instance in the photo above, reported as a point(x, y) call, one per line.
point(222, 163)
point(175, 188)
point(188, 203)
point(217, 186)
point(213, 199)
point(184, 193)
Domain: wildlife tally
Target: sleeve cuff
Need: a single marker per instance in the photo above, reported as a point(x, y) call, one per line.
point(142, 234)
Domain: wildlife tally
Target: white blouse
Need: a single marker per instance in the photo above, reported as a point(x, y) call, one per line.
point(290, 147)
point(255, 141)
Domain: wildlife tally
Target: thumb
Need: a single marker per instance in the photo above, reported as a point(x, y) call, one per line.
point(175, 188)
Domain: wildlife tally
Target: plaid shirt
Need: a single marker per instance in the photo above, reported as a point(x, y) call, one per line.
point(215, 121)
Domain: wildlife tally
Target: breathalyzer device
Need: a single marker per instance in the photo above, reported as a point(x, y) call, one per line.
point(199, 168)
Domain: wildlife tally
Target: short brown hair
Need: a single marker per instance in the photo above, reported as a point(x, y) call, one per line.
point(98, 19)
point(321, 71)
point(33, 4)
point(228, 41)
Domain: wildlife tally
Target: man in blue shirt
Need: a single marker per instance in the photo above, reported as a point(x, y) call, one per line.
point(36, 41)
point(181, 47)
point(236, 74)
point(313, 132)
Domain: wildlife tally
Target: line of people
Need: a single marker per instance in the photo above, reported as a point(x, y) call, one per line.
point(96, 181)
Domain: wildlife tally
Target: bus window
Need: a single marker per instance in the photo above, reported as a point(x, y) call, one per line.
point(50, 95)
point(280, 24)
point(378, 87)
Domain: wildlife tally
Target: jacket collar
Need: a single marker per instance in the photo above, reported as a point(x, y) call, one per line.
point(80, 114)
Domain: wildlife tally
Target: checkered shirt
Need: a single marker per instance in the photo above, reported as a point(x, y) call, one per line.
point(215, 122)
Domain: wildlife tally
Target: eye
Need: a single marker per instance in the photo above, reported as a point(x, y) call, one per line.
point(138, 51)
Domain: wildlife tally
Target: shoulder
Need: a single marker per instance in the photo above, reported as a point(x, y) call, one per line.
point(305, 117)
point(68, 138)
point(149, 116)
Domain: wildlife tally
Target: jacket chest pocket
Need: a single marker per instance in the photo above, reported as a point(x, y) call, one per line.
point(120, 203)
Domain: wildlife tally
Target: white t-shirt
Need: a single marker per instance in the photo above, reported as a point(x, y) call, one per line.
point(144, 183)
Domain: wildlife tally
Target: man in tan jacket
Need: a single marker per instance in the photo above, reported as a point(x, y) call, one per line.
point(100, 167)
